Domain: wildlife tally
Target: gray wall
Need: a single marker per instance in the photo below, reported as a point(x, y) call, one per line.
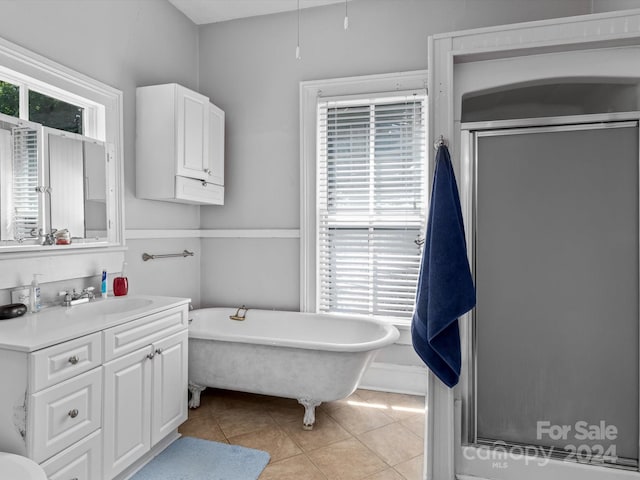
point(123, 43)
point(248, 68)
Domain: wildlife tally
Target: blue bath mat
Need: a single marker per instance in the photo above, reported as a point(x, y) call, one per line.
point(191, 458)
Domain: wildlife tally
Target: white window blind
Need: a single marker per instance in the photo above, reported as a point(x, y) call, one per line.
point(371, 200)
point(25, 182)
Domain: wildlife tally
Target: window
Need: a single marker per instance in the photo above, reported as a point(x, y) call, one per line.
point(368, 196)
point(24, 209)
point(36, 89)
point(27, 98)
point(9, 99)
point(24, 186)
point(55, 113)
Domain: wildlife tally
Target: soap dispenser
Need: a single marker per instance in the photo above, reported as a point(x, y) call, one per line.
point(34, 295)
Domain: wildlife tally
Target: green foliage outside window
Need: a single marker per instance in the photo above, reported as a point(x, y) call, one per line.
point(43, 109)
point(9, 99)
point(54, 113)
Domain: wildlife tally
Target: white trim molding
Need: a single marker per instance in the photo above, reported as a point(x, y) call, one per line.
point(139, 234)
point(390, 377)
point(71, 85)
point(252, 233)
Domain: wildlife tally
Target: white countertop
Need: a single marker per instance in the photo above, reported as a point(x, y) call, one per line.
point(53, 325)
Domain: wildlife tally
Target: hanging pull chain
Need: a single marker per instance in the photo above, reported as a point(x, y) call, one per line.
point(346, 15)
point(298, 45)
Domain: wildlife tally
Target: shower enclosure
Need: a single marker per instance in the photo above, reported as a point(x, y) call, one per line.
point(553, 342)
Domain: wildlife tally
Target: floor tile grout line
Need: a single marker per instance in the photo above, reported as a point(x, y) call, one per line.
point(366, 431)
point(352, 436)
point(251, 405)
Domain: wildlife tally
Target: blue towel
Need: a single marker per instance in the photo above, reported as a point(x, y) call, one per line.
point(445, 285)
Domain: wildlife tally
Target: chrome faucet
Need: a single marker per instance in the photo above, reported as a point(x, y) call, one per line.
point(75, 298)
point(239, 316)
point(44, 238)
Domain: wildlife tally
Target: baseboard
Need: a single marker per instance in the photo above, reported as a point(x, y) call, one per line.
point(390, 377)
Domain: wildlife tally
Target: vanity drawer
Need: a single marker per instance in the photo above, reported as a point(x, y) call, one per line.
point(81, 461)
point(133, 335)
point(57, 363)
point(65, 413)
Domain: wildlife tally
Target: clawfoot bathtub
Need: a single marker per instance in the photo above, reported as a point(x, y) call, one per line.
point(313, 358)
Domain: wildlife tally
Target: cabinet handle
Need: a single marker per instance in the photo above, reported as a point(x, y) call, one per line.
point(159, 351)
point(73, 413)
point(150, 355)
point(74, 360)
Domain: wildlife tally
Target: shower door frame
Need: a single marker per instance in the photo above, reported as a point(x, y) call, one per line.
point(470, 132)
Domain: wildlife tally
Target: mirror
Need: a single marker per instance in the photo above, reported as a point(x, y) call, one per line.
point(21, 202)
point(51, 182)
point(77, 184)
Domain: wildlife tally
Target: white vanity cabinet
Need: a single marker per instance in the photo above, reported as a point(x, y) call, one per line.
point(51, 404)
point(179, 146)
point(91, 397)
point(145, 384)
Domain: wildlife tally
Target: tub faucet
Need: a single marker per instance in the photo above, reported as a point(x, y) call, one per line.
point(238, 315)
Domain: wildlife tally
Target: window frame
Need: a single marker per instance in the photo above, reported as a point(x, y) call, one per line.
point(91, 125)
point(354, 87)
point(103, 121)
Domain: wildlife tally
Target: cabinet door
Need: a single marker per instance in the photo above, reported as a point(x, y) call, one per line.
point(215, 167)
point(169, 405)
point(127, 400)
point(192, 133)
point(82, 461)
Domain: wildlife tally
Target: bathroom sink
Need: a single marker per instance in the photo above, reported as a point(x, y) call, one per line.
point(111, 306)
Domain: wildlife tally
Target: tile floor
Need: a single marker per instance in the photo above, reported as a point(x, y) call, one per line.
point(369, 436)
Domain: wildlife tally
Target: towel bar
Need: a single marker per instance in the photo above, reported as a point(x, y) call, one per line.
point(185, 253)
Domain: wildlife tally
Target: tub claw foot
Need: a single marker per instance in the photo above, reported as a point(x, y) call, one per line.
point(309, 412)
point(195, 390)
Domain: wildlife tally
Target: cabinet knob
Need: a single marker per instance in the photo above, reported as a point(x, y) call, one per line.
point(74, 360)
point(150, 355)
point(159, 351)
point(208, 171)
point(73, 413)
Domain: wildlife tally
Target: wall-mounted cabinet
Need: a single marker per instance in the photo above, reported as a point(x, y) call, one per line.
point(179, 146)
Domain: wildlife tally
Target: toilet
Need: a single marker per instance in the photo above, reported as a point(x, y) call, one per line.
point(17, 467)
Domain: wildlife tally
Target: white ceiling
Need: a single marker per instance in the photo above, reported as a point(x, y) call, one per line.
point(211, 11)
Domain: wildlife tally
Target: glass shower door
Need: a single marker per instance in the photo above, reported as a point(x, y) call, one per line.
point(555, 330)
